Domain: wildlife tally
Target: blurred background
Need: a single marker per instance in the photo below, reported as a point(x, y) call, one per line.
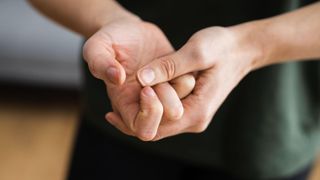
point(40, 81)
point(39, 94)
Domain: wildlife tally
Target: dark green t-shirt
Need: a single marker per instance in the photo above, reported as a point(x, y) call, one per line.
point(269, 126)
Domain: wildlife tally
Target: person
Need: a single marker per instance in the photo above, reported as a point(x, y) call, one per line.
point(246, 65)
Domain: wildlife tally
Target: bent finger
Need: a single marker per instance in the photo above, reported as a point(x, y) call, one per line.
point(172, 106)
point(183, 85)
point(102, 63)
point(186, 60)
point(115, 120)
point(148, 118)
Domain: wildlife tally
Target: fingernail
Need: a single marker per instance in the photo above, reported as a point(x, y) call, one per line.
point(112, 74)
point(147, 76)
point(148, 91)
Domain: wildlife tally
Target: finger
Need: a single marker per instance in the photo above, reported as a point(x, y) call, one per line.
point(199, 107)
point(102, 62)
point(172, 106)
point(171, 128)
point(188, 59)
point(115, 120)
point(187, 124)
point(183, 85)
point(148, 118)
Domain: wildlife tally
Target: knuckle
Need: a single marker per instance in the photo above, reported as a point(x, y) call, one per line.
point(200, 127)
point(153, 109)
point(199, 52)
point(174, 116)
point(168, 68)
point(200, 57)
point(175, 113)
point(202, 123)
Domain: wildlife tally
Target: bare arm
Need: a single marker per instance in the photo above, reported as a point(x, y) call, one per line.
point(82, 16)
point(291, 36)
point(224, 56)
point(286, 37)
point(119, 44)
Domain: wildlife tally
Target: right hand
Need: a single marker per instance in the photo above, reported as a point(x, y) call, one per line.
point(114, 54)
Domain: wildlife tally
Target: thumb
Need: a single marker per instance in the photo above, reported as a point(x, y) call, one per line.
point(166, 68)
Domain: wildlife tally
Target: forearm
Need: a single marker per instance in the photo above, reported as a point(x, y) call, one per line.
point(82, 16)
point(291, 36)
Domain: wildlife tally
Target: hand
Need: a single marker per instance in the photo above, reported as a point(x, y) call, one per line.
point(221, 57)
point(114, 54)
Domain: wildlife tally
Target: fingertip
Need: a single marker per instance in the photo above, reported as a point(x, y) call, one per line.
point(113, 118)
point(110, 117)
point(148, 92)
point(149, 101)
point(191, 81)
point(113, 75)
point(146, 76)
point(116, 75)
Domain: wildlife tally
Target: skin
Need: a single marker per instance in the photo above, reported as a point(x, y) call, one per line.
point(119, 44)
point(140, 108)
point(221, 57)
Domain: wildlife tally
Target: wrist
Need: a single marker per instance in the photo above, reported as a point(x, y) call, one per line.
point(113, 12)
point(253, 38)
point(118, 15)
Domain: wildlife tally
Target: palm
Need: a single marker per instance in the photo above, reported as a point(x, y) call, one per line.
point(133, 45)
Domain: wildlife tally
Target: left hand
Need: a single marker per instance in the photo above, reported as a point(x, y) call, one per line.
point(125, 45)
point(221, 57)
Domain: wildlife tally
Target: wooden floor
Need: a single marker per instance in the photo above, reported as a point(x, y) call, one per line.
point(36, 133)
point(37, 129)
